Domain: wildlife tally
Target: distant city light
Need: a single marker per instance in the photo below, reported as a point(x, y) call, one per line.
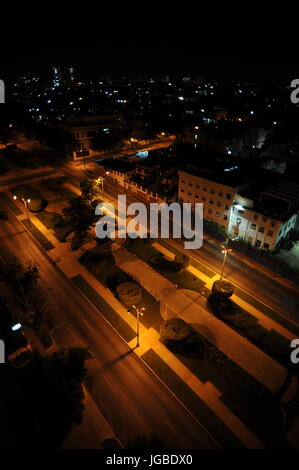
point(16, 327)
point(181, 98)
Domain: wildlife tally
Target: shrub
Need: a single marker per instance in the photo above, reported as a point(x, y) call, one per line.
point(175, 329)
point(129, 293)
point(223, 288)
point(35, 205)
point(181, 261)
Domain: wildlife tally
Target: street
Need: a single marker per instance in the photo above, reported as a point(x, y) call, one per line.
point(131, 398)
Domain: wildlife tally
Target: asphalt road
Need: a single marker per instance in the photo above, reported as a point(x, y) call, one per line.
point(132, 399)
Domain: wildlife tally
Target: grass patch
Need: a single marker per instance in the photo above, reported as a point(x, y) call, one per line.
point(107, 273)
point(267, 311)
point(104, 308)
point(39, 236)
point(49, 219)
point(13, 207)
point(194, 263)
point(247, 325)
point(26, 191)
point(198, 408)
point(184, 279)
point(56, 186)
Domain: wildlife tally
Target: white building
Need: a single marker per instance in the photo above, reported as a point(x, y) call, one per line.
point(262, 221)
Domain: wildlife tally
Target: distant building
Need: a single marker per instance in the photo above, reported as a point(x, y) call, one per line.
point(217, 193)
point(120, 171)
point(63, 75)
point(266, 220)
point(81, 131)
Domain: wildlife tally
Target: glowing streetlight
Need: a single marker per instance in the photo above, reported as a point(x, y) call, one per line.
point(101, 181)
point(25, 202)
point(224, 250)
point(139, 312)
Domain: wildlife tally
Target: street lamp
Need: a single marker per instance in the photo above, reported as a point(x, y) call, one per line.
point(139, 311)
point(101, 181)
point(25, 202)
point(224, 250)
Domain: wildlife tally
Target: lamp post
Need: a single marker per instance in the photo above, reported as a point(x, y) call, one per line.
point(25, 202)
point(224, 250)
point(139, 311)
point(101, 181)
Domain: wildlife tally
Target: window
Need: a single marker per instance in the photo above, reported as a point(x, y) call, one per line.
point(241, 212)
point(255, 216)
point(219, 204)
point(258, 243)
point(190, 184)
point(196, 195)
point(182, 190)
point(264, 219)
point(183, 181)
point(225, 217)
point(204, 198)
point(253, 226)
point(197, 186)
point(270, 233)
point(266, 246)
point(211, 201)
point(261, 229)
point(238, 220)
point(204, 188)
point(217, 215)
point(212, 191)
point(226, 207)
point(273, 223)
point(189, 194)
point(220, 194)
point(210, 211)
point(228, 196)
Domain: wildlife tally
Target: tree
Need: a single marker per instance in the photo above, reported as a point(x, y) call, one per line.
point(90, 189)
point(52, 387)
point(80, 216)
point(19, 279)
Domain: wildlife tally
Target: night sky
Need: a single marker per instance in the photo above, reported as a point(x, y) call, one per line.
point(144, 41)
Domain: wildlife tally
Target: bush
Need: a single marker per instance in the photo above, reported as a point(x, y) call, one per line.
point(175, 329)
point(129, 293)
point(223, 288)
point(182, 261)
point(35, 205)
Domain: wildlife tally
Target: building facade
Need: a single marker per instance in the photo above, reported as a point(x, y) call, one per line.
point(263, 222)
